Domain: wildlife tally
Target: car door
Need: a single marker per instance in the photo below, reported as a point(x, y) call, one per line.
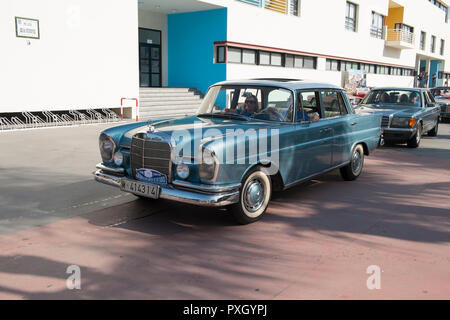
point(431, 110)
point(313, 139)
point(342, 122)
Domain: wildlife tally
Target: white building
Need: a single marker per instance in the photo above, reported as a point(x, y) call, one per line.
point(91, 54)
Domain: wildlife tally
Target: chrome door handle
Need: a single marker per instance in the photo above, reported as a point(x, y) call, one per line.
point(354, 123)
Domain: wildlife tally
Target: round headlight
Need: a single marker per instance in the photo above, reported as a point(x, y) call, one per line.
point(107, 146)
point(118, 158)
point(183, 171)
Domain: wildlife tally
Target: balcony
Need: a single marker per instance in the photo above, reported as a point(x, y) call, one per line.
point(399, 38)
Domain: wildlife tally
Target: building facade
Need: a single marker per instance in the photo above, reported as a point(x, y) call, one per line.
point(99, 53)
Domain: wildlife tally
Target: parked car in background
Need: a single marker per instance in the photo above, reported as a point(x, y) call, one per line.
point(248, 139)
point(407, 113)
point(442, 97)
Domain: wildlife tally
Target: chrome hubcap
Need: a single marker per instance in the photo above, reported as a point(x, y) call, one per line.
point(356, 162)
point(254, 195)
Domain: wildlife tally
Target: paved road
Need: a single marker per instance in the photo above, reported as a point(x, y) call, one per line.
point(316, 240)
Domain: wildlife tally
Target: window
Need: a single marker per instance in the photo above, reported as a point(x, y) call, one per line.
point(433, 44)
point(404, 27)
point(333, 65)
point(275, 59)
point(442, 47)
point(309, 62)
point(289, 61)
point(422, 40)
point(298, 62)
point(249, 56)
point(382, 70)
point(376, 30)
point(264, 58)
point(350, 16)
point(294, 8)
point(307, 103)
point(333, 104)
point(269, 103)
point(349, 65)
point(270, 58)
point(234, 55)
point(220, 57)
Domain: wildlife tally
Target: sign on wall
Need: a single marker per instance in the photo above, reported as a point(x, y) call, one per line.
point(27, 28)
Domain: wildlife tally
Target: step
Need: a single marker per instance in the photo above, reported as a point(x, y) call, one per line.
point(169, 108)
point(171, 98)
point(163, 116)
point(169, 102)
point(167, 94)
point(166, 112)
point(166, 89)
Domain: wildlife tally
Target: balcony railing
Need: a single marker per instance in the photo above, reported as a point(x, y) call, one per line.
point(282, 6)
point(400, 35)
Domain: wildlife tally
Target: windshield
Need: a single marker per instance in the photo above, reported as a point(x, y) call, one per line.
point(248, 102)
point(393, 98)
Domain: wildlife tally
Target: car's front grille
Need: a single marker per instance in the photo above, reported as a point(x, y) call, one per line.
point(150, 154)
point(385, 122)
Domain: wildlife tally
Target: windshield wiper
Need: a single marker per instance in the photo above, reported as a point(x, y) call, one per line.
point(224, 115)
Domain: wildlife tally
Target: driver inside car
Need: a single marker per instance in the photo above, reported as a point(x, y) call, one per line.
point(250, 106)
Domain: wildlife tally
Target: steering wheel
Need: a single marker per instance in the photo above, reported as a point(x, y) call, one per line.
point(273, 114)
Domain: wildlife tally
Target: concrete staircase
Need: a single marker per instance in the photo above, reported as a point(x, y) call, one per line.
point(159, 103)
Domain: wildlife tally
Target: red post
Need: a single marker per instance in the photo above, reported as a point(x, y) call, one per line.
point(121, 107)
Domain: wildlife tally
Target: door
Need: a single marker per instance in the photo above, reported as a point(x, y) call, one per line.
point(313, 139)
point(149, 58)
point(150, 65)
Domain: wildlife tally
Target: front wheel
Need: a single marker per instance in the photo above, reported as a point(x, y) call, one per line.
point(254, 197)
point(415, 140)
point(352, 171)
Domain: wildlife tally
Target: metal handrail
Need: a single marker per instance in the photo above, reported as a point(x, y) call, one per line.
point(399, 35)
point(46, 118)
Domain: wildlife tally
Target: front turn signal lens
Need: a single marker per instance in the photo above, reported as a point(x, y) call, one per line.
point(412, 122)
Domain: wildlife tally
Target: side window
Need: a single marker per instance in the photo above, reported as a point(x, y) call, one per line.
point(308, 104)
point(333, 104)
point(430, 96)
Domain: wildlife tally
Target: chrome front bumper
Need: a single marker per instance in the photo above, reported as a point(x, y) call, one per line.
point(181, 191)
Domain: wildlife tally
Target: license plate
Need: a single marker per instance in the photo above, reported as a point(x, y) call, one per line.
point(140, 188)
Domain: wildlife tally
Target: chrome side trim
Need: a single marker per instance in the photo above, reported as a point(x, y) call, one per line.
point(205, 187)
point(101, 166)
point(315, 175)
point(170, 193)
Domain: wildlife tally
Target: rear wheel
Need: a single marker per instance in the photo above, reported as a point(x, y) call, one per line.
point(353, 170)
point(254, 197)
point(415, 140)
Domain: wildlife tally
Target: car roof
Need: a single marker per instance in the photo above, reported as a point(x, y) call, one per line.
point(292, 84)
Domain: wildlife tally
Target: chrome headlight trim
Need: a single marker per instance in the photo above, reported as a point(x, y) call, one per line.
point(212, 167)
point(107, 155)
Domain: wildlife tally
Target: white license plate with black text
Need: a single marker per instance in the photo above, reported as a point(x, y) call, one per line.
point(140, 188)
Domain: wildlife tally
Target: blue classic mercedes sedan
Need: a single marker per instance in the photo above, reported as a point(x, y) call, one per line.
point(248, 139)
point(407, 113)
